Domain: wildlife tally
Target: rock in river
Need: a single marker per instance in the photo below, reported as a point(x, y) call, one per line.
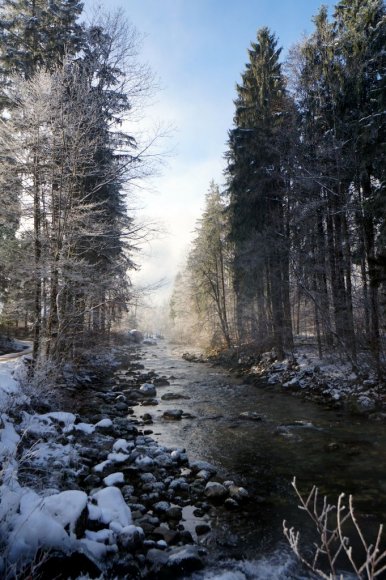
point(216, 491)
point(173, 414)
point(148, 390)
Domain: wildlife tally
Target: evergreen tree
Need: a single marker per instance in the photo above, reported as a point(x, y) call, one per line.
point(208, 265)
point(37, 34)
point(361, 31)
point(258, 186)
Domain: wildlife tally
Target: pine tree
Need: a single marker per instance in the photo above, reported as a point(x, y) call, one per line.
point(258, 186)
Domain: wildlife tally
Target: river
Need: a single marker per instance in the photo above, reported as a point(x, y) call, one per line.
point(333, 450)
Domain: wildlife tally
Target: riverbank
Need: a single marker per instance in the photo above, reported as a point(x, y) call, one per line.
point(84, 486)
point(330, 381)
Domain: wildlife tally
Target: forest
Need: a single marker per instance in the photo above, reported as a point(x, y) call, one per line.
point(69, 92)
point(122, 455)
point(294, 244)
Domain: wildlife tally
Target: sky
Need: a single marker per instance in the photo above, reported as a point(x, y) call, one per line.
point(198, 50)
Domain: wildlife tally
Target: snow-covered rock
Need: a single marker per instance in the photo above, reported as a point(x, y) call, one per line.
point(104, 424)
point(114, 479)
point(112, 506)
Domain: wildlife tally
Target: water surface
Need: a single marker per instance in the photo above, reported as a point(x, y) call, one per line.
point(333, 450)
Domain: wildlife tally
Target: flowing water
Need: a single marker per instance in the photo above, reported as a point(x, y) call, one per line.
point(335, 451)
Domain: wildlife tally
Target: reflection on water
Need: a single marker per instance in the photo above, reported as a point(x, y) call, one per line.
point(280, 437)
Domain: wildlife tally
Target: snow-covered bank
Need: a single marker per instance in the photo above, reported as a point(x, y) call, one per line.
point(90, 489)
point(326, 381)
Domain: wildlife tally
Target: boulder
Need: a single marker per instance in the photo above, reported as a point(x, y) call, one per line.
point(161, 382)
point(216, 491)
point(148, 390)
point(197, 466)
point(173, 396)
point(173, 415)
point(185, 560)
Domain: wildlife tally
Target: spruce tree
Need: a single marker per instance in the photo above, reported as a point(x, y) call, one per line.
point(208, 266)
point(258, 187)
point(37, 34)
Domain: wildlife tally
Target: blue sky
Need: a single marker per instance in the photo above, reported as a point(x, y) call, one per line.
point(198, 49)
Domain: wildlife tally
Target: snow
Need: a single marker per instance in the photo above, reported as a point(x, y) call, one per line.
point(30, 519)
point(32, 527)
point(85, 428)
point(101, 466)
point(43, 453)
point(122, 445)
point(48, 422)
point(103, 536)
point(97, 549)
point(9, 440)
point(104, 423)
point(113, 508)
point(114, 478)
point(66, 507)
point(117, 457)
point(9, 384)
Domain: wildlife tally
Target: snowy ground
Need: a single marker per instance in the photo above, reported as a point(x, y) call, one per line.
point(93, 494)
point(31, 517)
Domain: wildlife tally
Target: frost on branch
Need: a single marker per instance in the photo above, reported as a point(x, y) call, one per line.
point(330, 522)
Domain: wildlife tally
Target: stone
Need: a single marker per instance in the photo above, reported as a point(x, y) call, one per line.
point(185, 560)
point(197, 466)
point(204, 475)
point(251, 416)
point(231, 504)
point(173, 396)
point(292, 384)
point(148, 390)
point(148, 477)
point(215, 491)
point(238, 493)
point(135, 336)
point(164, 533)
point(92, 480)
point(161, 382)
point(157, 559)
point(73, 565)
point(188, 416)
point(173, 415)
point(179, 484)
point(202, 529)
point(161, 507)
point(174, 513)
point(149, 403)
